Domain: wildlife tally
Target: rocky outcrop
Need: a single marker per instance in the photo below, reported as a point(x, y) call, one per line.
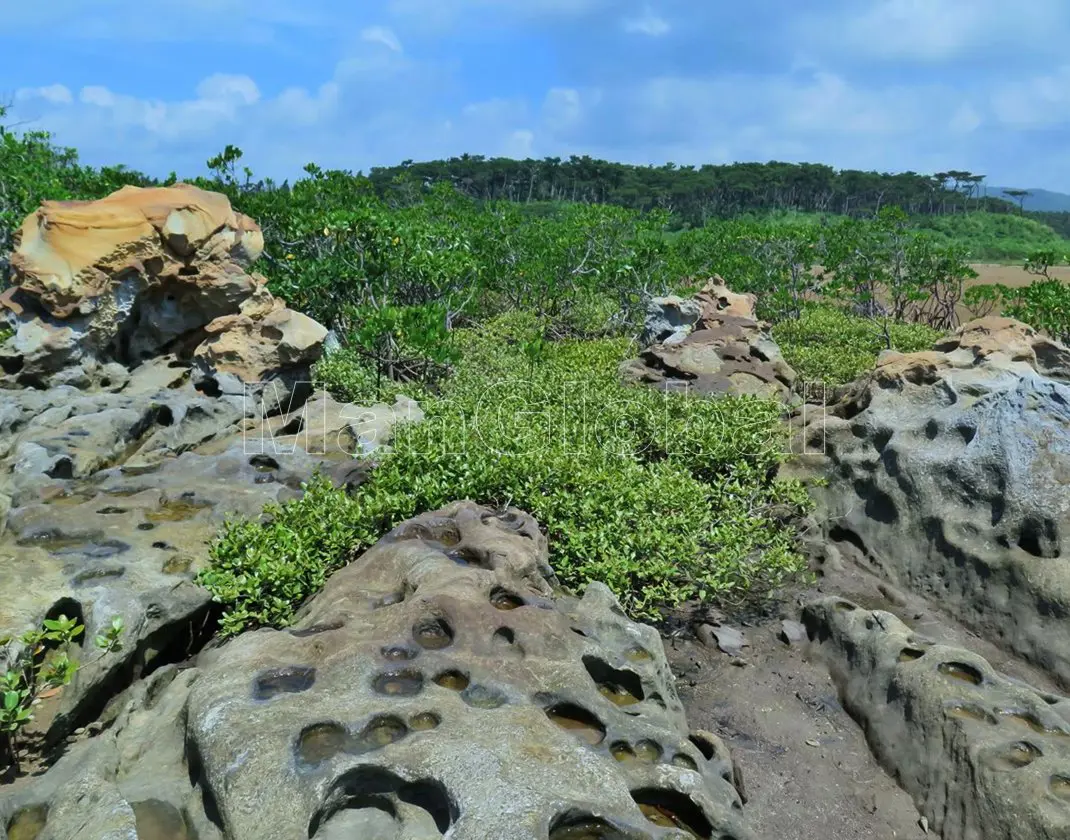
point(436, 687)
point(984, 757)
point(108, 502)
point(133, 276)
point(949, 469)
point(711, 344)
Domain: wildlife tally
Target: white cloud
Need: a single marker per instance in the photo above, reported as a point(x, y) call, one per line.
point(381, 35)
point(1034, 103)
point(647, 24)
point(56, 94)
point(222, 87)
point(936, 30)
point(965, 119)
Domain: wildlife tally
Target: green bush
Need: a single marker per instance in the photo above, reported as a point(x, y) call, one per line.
point(828, 345)
point(664, 498)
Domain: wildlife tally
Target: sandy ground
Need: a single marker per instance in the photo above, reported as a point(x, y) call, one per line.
point(807, 769)
point(1012, 275)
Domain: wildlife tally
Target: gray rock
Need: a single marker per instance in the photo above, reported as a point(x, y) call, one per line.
point(434, 688)
point(950, 469)
point(984, 758)
point(667, 317)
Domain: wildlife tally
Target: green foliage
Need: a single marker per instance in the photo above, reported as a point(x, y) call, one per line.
point(1044, 304)
point(662, 497)
point(993, 237)
point(40, 662)
point(830, 346)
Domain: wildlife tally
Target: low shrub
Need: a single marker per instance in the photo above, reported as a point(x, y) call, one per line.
point(830, 346)
point(665, 498)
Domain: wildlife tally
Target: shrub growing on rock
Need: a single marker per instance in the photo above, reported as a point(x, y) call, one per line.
point(664, 498)
point(828, 345)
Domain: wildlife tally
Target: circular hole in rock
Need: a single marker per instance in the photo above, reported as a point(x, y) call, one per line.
point(433, 633)
point(158, 820)
point(425, 721)
point(703, 745)
point(321, 742)
point(1013, 756)
point(27, 823)
point(367, 816)
point(1060, 787)
point(387, 600)
point(1029, 719)
point(575, 825)
point(962, 672)
point(368, 788)
point(177, 564)
point(404, 683)
point(685, 761)
point(579, 721)
point(910, 654)
point(145, 526)
point(622, 751)
point(638, 654)
point(112, 511)
point(483, 697)
point(968, 711)
point(845, 606)
point(578, 632)
point(504, 635)
point(503, 599)
point(620, 687)
point(398, 653)
point(263, 463)
point(453, 680)
point(289, 680)
point(672, 809)
point(380, 732)
point(647, 751)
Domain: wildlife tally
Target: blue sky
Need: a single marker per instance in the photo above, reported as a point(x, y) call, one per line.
point(891, 85)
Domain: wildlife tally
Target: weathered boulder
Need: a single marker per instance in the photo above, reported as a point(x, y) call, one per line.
point(142, 273)
point(71, 254)
point(950, 470)
point(124, 277)
point(984, 757)
point(711, 344)
point(669, 320)
point(108, 502)
point(279, 346)
point(434, 688)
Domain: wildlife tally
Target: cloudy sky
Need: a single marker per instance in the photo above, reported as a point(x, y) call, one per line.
point(892, 85)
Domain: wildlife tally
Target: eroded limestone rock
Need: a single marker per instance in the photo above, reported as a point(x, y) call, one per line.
point(950, 469)
point(435, 688)
point(984, 757)
point(135, 275)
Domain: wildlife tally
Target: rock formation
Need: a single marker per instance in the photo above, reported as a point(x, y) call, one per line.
point(711, 343)
point(434, 688)
point(119, 461)
point(139, 274)
point(949, 470)
point(984, 757)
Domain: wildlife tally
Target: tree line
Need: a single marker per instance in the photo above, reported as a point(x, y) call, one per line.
point(697, 194)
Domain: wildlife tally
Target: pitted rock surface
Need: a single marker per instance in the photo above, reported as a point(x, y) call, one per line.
point(950, 469)
point(436, 687)
point(711, 344)
point(108, 502)
point(139, 274)
point(984, 757)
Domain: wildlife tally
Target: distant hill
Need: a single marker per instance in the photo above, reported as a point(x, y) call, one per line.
point(1039, 201)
